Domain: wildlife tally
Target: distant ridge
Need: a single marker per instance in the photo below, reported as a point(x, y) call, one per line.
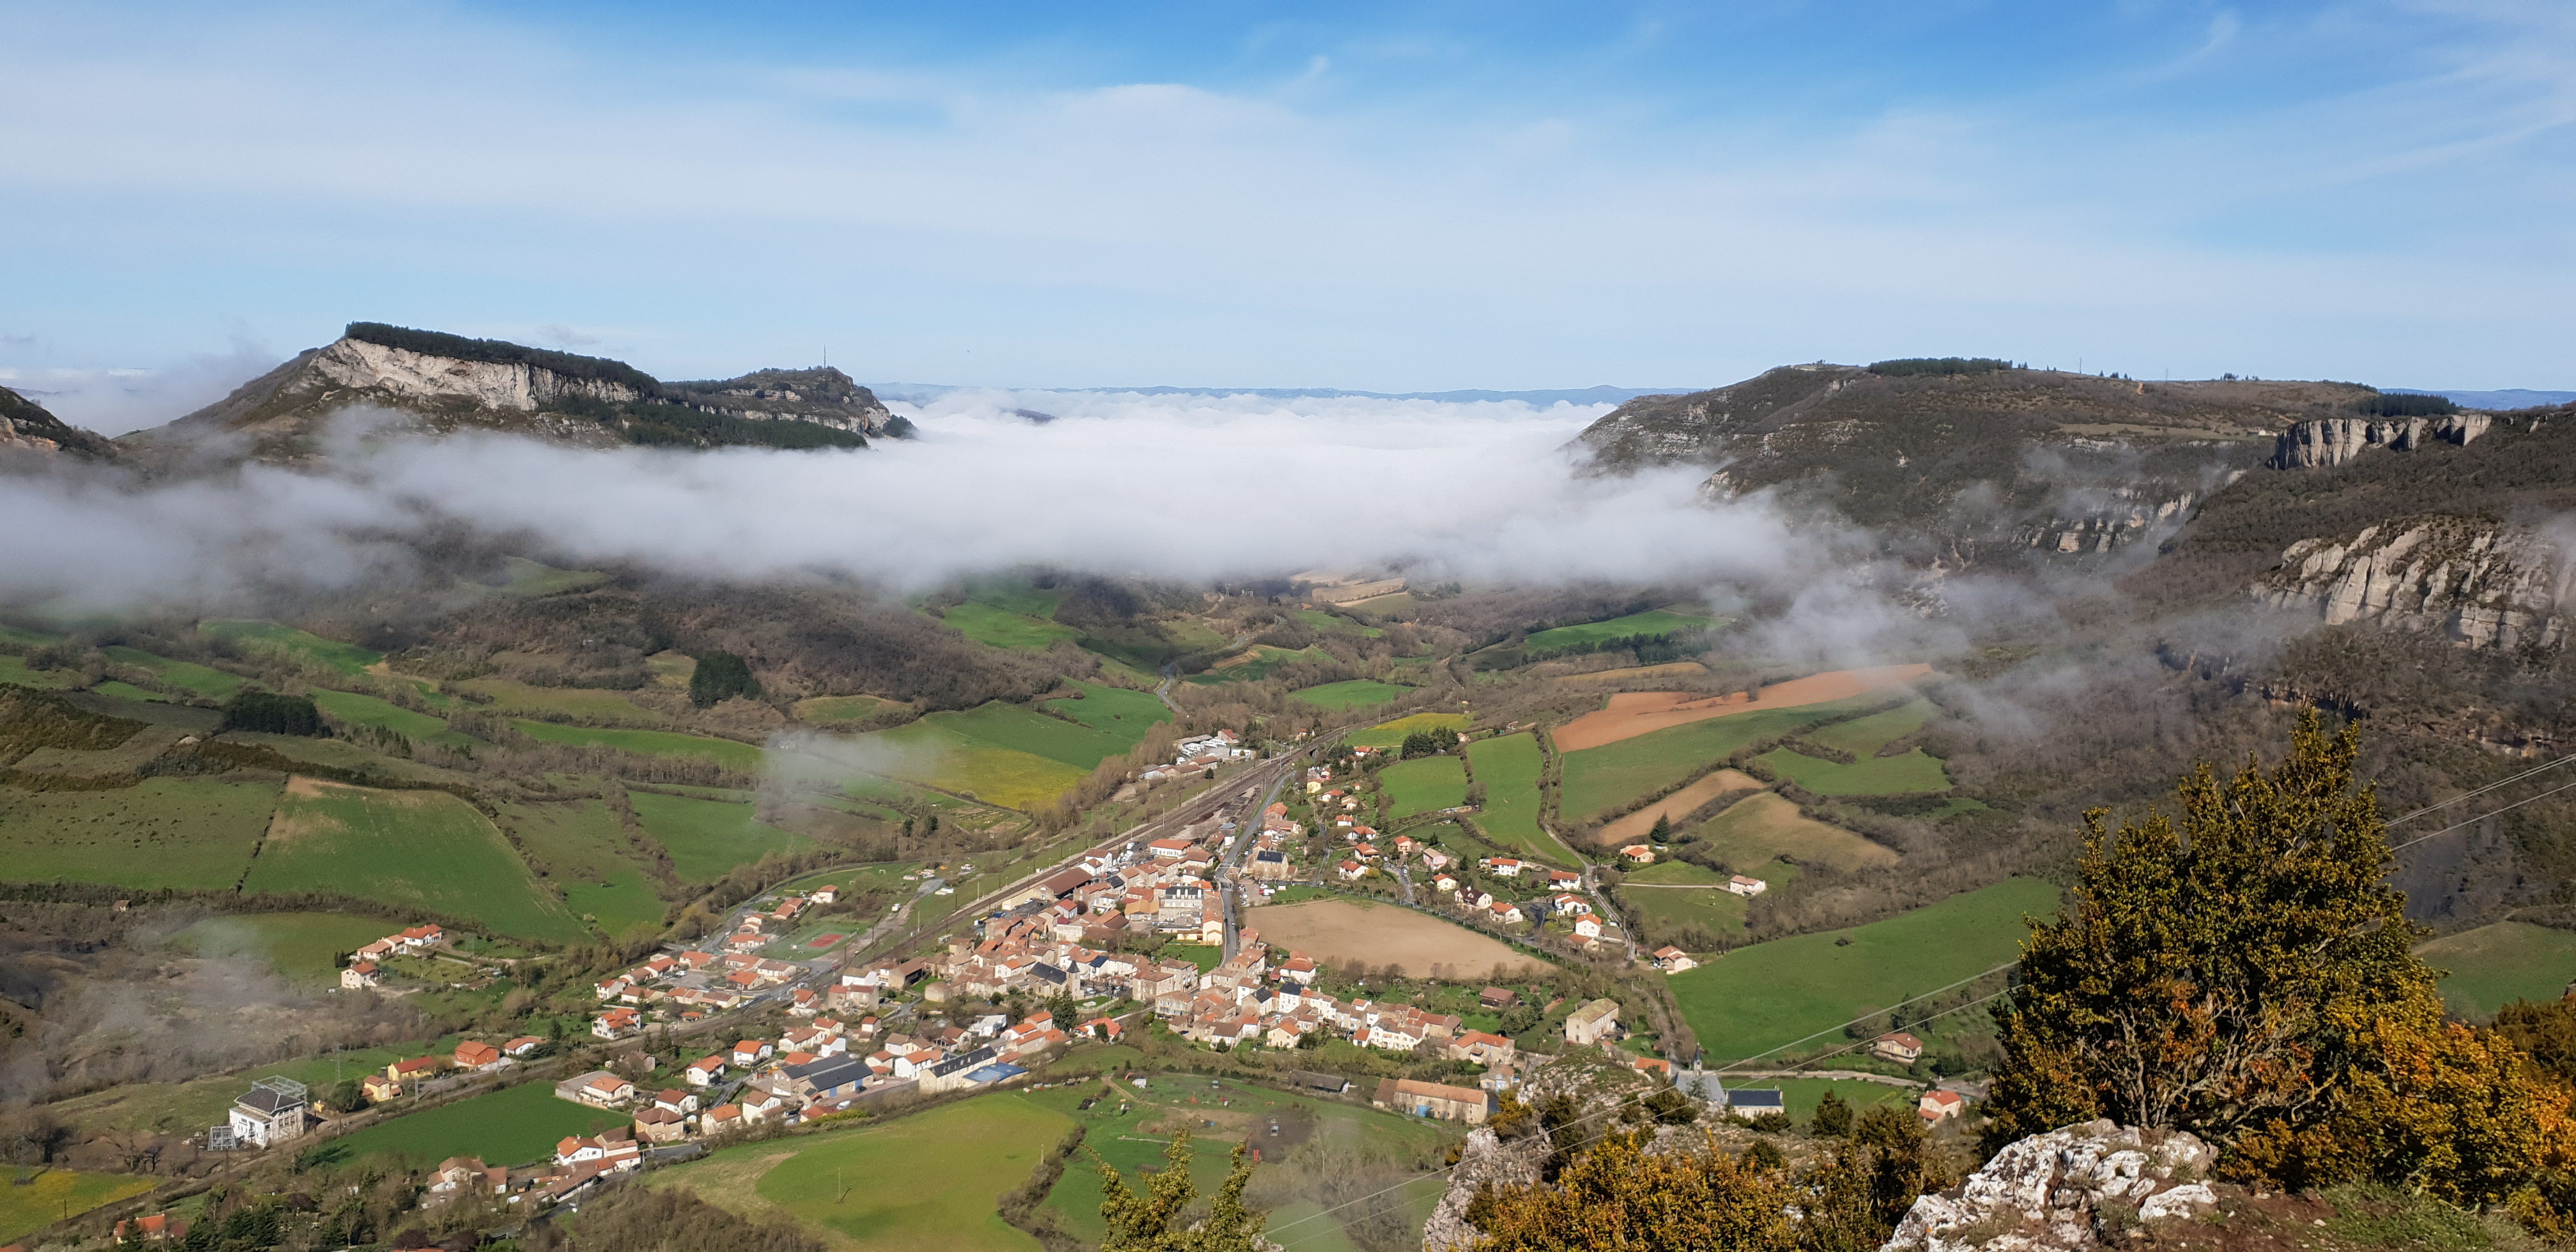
point(2508, 398)
point(917, 393)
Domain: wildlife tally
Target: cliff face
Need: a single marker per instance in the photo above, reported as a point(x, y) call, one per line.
point(2010, 465)
point(2477, 582)
point(423, 382)
point(2335, 440)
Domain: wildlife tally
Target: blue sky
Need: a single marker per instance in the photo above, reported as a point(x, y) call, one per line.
point(1386, 197)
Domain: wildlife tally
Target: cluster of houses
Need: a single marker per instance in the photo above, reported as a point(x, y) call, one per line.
point(364, 971)
point(694, 983)
point(472, 1056)
point(754, 932)
point(1193, 756)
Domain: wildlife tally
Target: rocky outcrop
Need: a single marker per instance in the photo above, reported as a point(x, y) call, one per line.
point(26, 428)
point(825, 397)
point(2063, 1191)
point(2335, 440)
point(1485, 1160)
point(2474, 581)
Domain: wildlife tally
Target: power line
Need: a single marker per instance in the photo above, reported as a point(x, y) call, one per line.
point(2472, 821)
point(2465, 795)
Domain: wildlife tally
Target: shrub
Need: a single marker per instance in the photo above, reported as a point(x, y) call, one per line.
point(269, 713)
point(721, 676)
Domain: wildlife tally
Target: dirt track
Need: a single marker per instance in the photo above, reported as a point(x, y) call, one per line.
point(1635, 713)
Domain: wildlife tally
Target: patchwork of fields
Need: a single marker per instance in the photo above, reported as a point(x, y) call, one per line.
point(1508, 769)
point(1354, 693)
point(707, 838)
point(1764, 826)
point(1615, 774)
point(421, 848)
point(583, 846)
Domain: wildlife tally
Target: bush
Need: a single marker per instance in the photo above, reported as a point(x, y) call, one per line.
point(272, 714)
point(1903, 366)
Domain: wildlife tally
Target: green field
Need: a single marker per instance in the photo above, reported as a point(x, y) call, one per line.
point(1264, 659)
point(359, 710)
point(214, 684)
point(1665, 912)
point(1760, 827)
point(937, 750)
point(1615, 774)
point(1423, 785)
point(725, 752)
point(927, 1181)
point(1914, 771)
point(1864, 736)
point(348, 658)
point(583, 846)
point(1002, 628)
point(2492, 966)
point(423, 848)
point(513, 1126)
point(707, 838)
point(1391, 734)
point(1771, 994)
point(14, 670)
point(1019, 729)
point(32, 1199)
point(825, 710)
point(1328, 623)
point(304, 947)
point(1653, 623)
point(26, 638)
point(1508, 769)
point(1355, 693)
point(1114, 710)
point(163, 832)
point(523, 577)
point(510, 696)
point(1676, 873)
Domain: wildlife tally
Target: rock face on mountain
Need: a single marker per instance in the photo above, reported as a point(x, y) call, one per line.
point(2475, 581)
point(1964, 469)
point(1486, 1160)
point(2064, 1191)
point(432, 383)
point(25, 427)
point(2335, 440)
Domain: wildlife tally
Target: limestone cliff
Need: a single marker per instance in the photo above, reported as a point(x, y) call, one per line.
point(1975, 469)
point(2335, 440)
point(425, 382)
point(2065, 1191)
point(2479, 582)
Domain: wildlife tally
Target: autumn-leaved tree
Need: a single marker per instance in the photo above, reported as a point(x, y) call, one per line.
point(1617, 1197)
point(1154, 1221)
point(2242, 970)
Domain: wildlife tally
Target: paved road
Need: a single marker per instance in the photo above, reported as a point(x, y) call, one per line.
point(1230, 885)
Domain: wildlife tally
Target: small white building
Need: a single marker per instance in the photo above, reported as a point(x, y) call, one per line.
point(272, 1112)
point(1744, 886)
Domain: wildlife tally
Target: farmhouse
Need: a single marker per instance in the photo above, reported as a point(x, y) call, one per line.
point(416, 1068)
point(360, 976)
point(1639, 853)
point(599, 1088)
point(1431, 1099)
point(1902, 1048)
point(378, 1088)
point(1673, 960)
point(522, 1047)
point(1940, 1105)
point(1744, 886)
point(1593, 1022)
point(474, 1055)
point(1481, 1048)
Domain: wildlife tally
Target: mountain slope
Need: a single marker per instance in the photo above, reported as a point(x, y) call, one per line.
point(1977, 467)
point(26, 427)
point(438, 383)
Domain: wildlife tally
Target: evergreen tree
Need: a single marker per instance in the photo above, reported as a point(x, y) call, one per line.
point(720, 676)
point(266, 712)
point(1833, 1118)
point(1153, 1222)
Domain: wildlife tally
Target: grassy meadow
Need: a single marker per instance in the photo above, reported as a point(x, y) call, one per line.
point(725, 752)
point(1003, 628)
point(509, 696)
point(422, 848)
point(1760, 827)
point(2495, 965)
point(1119, 711)
point(32, 1198)
point(828, 710)
point(214, 684)
point(1653, 623)
point(162, 832)
point(1355, 693)
point(1508, 768)
point(583, 847)
point(359, 710)
point(513, 1126)
point(348, 658)
point(1423, 785)
point(1771, 994)
point(1391, 734)
point(707, 838)
point(1915, 771)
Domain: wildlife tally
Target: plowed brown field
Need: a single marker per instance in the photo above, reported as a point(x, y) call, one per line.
point(1633, 713)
